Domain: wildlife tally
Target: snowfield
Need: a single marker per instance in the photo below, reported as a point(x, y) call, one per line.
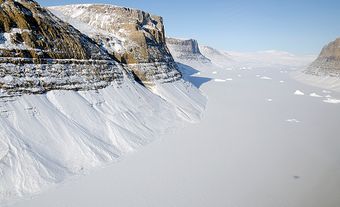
point(247, 151)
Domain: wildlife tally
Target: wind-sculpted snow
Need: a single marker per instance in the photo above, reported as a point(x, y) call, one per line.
point(47, 138)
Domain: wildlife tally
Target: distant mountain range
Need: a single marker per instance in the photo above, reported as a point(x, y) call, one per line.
point(185, 50)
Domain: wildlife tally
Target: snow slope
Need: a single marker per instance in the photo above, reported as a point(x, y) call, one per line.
point(322, 81)
point(47, 138)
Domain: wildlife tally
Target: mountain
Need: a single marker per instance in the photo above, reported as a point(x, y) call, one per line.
point(71, 102)
point(324, 72)
point(217, 57)
point(134, 37)
point(30, 31)
point(328, 62)
point(39, 52)
point(188, 50)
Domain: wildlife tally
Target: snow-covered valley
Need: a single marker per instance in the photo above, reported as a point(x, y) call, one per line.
point(83, 87)
point(259, 144)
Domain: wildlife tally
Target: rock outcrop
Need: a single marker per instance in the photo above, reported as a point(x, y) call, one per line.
point(39, 52)
point(30, 31)
point(133, 37)
point(328, 62)
point(186, 50)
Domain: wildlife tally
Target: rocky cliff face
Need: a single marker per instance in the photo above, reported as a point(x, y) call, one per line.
point(328, 62)
point(133, 37)
point(186, 50)
point(29, 31)
point(39, 52)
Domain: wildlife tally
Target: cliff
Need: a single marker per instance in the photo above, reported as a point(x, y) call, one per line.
point(30, 31)
point(328, 62)
point(39, 52)
point(133, 37)
point(186, 50)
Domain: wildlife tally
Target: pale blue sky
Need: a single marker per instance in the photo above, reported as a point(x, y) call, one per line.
point(302, 27)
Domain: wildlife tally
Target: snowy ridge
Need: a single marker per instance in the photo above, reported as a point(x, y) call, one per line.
point(47, 138)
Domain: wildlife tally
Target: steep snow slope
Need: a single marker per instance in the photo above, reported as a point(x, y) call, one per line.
point(47, 138)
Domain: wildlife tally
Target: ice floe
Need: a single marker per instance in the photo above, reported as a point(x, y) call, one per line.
point(332, 101)
point(299, 93)
point(315, 95)
point(293, 121)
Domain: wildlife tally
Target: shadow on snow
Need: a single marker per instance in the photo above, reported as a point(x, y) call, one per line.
point(188, 75)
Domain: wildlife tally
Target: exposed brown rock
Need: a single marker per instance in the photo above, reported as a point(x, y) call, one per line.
point(41, 34)
point(328, 62)
point(39, 52)
point(139, 36)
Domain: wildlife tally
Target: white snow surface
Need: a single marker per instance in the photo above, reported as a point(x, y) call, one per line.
point(271, 58)
point(48, 138)
point(6, 40)
point(332, 101)
point(321, 81)
point(248, 60)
